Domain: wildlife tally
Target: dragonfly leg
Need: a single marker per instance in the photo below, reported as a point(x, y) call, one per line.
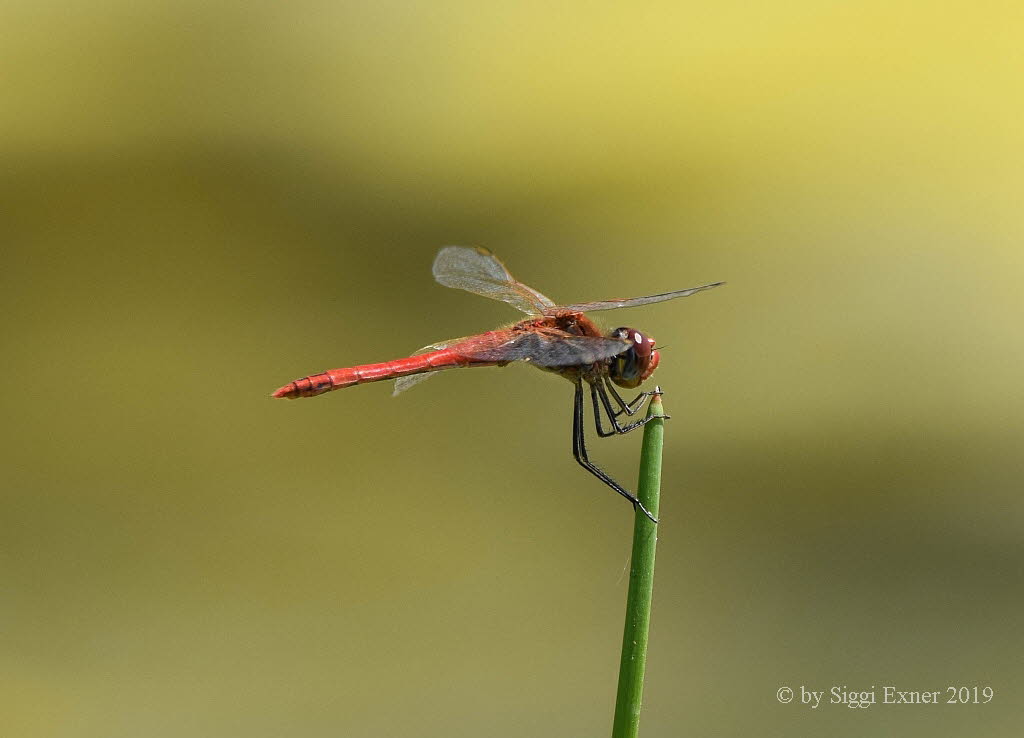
point(598, 390)
point(579, 452)
point(601, 432)
point(631, 407)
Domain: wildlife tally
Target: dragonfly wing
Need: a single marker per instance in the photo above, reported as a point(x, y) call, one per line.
point(586, 307)
point(411, 380)
point(548, 349)
point(479, 271)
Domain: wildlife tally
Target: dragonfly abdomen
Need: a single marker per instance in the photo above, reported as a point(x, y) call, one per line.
point(317, 384)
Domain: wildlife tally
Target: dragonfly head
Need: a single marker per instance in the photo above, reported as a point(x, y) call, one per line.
point(630, 368)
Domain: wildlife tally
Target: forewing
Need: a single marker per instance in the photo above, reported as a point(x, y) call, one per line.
point(549, 349)
point(586, 307)
point(479, 271)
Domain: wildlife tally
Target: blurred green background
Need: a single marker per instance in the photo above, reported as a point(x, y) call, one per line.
point(203, 201)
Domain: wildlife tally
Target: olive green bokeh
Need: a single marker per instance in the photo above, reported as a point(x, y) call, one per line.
point(202, 201)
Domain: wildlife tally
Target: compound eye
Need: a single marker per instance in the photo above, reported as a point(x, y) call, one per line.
point(634, 365)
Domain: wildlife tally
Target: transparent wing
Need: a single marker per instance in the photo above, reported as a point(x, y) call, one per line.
point(479, 271)
point(586, 307)
point(411, 380)
point(546, 349)
point(550, 349)
point(404, 383)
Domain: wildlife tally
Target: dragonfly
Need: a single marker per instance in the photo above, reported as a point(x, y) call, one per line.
point(559, 339)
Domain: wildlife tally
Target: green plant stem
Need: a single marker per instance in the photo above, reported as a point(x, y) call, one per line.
point(641, 581)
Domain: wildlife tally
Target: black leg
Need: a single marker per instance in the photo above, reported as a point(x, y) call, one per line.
point(579, 452)
point(601, 432)
point(597, 390)
point(631, 407)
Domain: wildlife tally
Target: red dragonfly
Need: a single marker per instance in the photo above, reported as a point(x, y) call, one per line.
point(558, 339)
